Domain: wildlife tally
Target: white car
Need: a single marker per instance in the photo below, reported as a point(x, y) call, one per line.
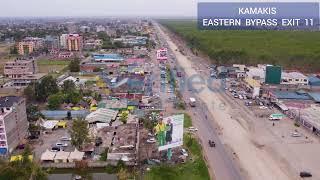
point(151, 140)
point(184, 152)
point(192, 129)
point(295, 134)
point(65, 138)
point(60, 144)
point(263, 107)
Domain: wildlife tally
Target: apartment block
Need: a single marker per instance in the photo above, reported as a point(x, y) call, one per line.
point(74, 42)
point(13, 123)
point(19, 68)
point(29, 45)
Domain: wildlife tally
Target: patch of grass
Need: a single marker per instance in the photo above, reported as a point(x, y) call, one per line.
point(187, 120)
point(52, 62)
point(191, 170)
point(51, 66)
point(291, 49)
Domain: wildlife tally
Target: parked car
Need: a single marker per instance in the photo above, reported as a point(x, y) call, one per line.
point(184, 152)
point(295, 134)
point(236, 96)
point(55, 149)
point(192, 129)
point(98, 141)
point(151, 140)
point(60, 144)
point(304, 174)
point(65, 138)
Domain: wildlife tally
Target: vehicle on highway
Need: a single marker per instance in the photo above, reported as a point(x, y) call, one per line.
point(240, 96)
point(65, 138)
point(192, 102)
point(248, 103)
point(184, 152)
point(151, 140)
point(263, 107)
point(304, 174)
point(60, 144)
point(295, 134)
point(275, 117)
point(212, 143)
point(192, 129)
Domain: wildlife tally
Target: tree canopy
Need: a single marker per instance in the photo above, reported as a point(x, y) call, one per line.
point(74, 65)
point(79, 133)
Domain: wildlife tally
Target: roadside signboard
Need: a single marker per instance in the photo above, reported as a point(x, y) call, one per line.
point(169, 132)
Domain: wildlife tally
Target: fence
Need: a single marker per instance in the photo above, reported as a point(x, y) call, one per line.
point(61, 114)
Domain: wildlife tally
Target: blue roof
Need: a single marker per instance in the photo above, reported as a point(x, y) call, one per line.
point(314, 81)
point(108, 57)
point(315, 96)
point(291, 95)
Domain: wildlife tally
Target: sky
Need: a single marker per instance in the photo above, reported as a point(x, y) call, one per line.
point(47, 8)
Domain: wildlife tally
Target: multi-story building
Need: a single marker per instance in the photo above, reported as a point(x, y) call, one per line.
point(63, 41)
point(51, 42)
point(19, 68)
point(294, 78)
point(25, 47)
point(13, 123)
point(74, 42)
point(29, 44)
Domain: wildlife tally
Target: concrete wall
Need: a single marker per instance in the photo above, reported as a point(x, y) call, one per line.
point(16, 125)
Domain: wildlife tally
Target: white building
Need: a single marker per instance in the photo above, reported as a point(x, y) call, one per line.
point(256, 73)
point(13, 123)
point(294, 78)
point(100, 28)
point(63, 41)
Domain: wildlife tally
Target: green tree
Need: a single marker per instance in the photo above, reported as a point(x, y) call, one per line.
point(33, 113)
point(29, 92)
point(45, 88)
point(22, 169)
point(54, 101)
point(79, 133)
point(74, 65)
point(68, 86)
point(124, 117)
point(72, 97)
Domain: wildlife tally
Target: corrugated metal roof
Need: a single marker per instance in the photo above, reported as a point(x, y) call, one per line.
point(290, 95)
point(315, 96)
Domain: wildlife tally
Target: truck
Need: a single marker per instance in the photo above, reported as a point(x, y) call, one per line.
point(275, 117)
point(192, 102)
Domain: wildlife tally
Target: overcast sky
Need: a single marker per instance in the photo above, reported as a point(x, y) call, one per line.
point(20, 8)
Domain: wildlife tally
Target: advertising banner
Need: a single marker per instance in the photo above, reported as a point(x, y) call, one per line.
point(169, 132)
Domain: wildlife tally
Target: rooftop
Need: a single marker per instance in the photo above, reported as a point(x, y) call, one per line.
point(8, 101)
point(293, 75)
point(102, 115)
point(107, 57)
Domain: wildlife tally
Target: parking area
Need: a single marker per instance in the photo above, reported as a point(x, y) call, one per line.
point(49, 140)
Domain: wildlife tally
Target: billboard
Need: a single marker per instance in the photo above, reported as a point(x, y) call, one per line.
point(169, 132)
point(162, 54)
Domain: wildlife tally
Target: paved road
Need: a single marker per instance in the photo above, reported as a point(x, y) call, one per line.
point(220, 161)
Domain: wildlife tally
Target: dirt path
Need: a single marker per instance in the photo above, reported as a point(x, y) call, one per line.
point(257, 163)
